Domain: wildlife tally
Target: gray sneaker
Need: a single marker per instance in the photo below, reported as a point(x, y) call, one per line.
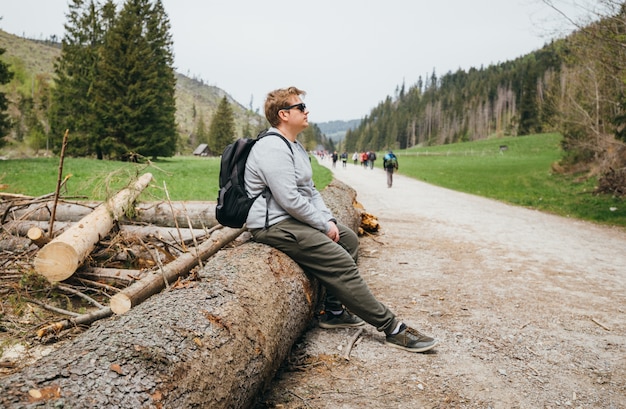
point(344, 320)
point(411, 340)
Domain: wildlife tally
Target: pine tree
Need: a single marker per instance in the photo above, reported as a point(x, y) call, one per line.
point(162, 134)
point(202, 134)
point(5, 77)
point(529, 121)
point(75, 71)
point(134, 91)
point(115, 81)
point(222, 128)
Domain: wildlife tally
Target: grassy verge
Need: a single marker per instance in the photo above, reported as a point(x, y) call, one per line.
point(520, 175)
point(182, 177)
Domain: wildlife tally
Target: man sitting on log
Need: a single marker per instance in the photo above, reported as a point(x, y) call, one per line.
point(297, 222)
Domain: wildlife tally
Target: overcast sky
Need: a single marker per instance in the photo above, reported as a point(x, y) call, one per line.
point(347, 54)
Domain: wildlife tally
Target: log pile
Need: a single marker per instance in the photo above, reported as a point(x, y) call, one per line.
point(60, 258)
point(212, 342)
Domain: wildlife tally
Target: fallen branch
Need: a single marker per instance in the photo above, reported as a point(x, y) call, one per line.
point(169, 202)
point(97, 284)
point(77, 293)
point(600, 324)
point(351, 344)
point(59, 183)
point(51, 308)
point(152, 284)
point(83, 319)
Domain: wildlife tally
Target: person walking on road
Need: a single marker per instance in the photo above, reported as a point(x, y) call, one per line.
point(297, 222)
point(371, 158)
point(390, 163)
point(344, 159)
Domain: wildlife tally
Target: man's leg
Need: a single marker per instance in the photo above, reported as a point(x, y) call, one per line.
point(333, 264)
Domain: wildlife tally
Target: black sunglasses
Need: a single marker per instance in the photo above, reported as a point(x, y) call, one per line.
point(301, 106)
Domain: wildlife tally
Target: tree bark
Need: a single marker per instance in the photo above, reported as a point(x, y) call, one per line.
point(215, 344)
point(60, 258)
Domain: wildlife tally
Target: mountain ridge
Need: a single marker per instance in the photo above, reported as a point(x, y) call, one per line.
point(29, 58)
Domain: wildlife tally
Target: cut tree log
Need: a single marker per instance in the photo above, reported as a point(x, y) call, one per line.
point(215, 344)
point(153, 283)
point(22, 227)
point(37, 236)
point(169, 234)
point(201, 214)
point(60, 258)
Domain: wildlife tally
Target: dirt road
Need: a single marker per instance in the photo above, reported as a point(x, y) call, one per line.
point(529, 309)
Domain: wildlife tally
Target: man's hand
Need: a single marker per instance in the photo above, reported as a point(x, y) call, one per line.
point(333, 232)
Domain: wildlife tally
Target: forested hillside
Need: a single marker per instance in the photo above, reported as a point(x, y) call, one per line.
point(499, 100)
point(575, 86)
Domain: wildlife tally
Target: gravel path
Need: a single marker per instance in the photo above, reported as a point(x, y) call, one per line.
point(529, 308)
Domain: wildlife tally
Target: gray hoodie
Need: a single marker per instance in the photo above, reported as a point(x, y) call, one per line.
point(289, 177)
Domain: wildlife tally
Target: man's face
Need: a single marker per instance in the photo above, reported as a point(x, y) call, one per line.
point(297, 114)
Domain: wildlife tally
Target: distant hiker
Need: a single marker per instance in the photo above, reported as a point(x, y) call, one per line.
point(335, 157)
point(364, 156)
point(371, 157)
point(344, 159)
point(355, 157)
point(390, 163)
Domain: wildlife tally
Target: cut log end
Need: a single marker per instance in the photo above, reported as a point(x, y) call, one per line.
point(120, 303)
point(56, 261)
point(37, 236)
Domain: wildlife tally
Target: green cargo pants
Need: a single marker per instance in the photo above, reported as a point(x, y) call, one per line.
point(333, 264)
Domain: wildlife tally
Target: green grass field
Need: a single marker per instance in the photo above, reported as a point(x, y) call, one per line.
point(182, 177)
point(521, 175)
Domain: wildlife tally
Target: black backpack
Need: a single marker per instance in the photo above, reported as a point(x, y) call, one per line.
point(233, 203)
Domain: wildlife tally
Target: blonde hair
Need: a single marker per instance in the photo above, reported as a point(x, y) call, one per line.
point(278, 99)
